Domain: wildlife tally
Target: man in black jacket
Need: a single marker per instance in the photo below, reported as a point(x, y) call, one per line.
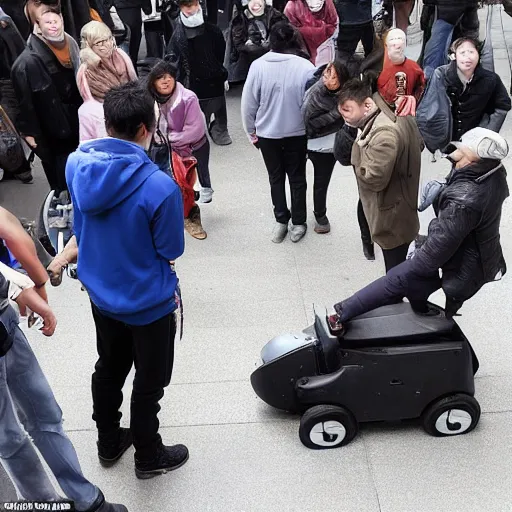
point(44, 80)
point(197, 49)
point(463, 241)
point(11, 47)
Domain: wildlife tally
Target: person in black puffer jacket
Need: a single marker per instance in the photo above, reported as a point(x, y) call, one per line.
point(463, 241)
point(477, 97)
point(197, 49)
point(249, 33)
point(322, 120)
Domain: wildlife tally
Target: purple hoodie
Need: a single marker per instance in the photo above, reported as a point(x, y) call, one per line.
point(185, 123)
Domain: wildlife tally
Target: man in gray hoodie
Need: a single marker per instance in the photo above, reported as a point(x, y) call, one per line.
point(272, 118)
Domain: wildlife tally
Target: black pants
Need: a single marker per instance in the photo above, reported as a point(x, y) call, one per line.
point(366, 236)
point(202, 155)
point(215, 107)
point(402, 281)
point(286, 157)
point(349, 37)
point(393, 257)
point(151, 349)
point(132, 17)
point(54, 158)
point(323, 165)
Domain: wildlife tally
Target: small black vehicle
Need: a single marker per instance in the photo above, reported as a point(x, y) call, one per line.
point(391, 364)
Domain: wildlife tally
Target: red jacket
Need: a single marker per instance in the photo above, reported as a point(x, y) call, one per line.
point(315, 27)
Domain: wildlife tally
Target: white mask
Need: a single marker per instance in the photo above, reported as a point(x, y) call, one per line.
point(315, 5)
point(396, 43)
point(257, 12)
point(196, 20)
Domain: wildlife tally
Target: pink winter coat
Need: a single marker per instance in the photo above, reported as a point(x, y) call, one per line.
point(90, 114)
point(315, 27)
point(186, 126)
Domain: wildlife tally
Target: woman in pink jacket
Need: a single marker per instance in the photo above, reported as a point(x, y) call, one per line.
point(184, 121)
point(316, 20)
point(103, 66)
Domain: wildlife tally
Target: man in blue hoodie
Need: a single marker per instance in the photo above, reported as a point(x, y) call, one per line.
point(128, 209)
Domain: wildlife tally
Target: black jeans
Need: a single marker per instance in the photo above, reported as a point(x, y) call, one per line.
point(215, 107)
point(202, 155)
point(402, 281)
point(323, 165)
point(132, 17)
point(286, 157)
point(53, 158)
point(395, 256)
point(151, 349)
point(366, 236)
point(349, 37)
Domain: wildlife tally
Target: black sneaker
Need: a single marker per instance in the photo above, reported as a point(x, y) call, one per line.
point(101, 505)
point(168, 459)
point(112, 446)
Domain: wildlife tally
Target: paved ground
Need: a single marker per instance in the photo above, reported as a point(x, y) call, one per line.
point(239, 291)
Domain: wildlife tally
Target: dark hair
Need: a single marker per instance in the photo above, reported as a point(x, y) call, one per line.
point(161, 68)
point(355, 90)
point(127, 108)
point(283, 37)
point(466, 39)
point(342, 71)
point(187, 3)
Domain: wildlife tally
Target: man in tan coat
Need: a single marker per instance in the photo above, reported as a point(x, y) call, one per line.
point(386, 156)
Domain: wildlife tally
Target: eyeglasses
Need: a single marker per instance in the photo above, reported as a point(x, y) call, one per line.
point(103, 42)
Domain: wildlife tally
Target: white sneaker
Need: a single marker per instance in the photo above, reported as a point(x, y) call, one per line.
point(279, 232)
point(297, 232)
point(206, 195)
point(1, 174)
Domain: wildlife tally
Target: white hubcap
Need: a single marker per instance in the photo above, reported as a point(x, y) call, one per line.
point(328, 433)
point(453, 421)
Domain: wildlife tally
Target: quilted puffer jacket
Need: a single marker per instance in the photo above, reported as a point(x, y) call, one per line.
point(448, 110)
point(320, 109)
point(464, 240)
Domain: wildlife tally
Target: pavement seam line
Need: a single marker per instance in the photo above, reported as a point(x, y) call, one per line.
point(370, 469)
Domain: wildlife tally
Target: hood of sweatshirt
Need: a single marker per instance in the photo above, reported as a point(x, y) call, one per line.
point(104, 172)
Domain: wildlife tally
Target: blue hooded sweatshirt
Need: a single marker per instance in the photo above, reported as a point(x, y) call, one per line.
point(128, 221)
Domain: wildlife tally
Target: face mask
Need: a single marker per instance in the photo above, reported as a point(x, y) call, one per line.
point(315, 5)
point(193, 21)
point(255, 12)
point(53, 33)
point(395, 43)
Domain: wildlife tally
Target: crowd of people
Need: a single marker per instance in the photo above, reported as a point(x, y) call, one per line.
point(125, 144)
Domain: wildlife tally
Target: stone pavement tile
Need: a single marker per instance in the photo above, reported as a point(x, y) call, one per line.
point(208, 403)
point(487, 325)
point(416, 472)
point(225, 402)
point(241, 468)
point(221, 354)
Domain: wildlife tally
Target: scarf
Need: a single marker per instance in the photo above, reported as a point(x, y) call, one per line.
point(107, 74)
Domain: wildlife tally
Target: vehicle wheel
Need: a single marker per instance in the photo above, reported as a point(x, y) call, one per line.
point(451, 416)
point(327, 426)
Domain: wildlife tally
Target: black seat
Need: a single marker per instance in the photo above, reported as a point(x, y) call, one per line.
point(397, 322)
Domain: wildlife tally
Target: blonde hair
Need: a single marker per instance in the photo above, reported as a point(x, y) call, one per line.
point(91, 33)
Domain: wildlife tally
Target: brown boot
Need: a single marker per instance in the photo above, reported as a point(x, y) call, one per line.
point(193, 224)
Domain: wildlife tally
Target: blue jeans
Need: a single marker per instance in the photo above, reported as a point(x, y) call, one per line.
point(24, 388)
